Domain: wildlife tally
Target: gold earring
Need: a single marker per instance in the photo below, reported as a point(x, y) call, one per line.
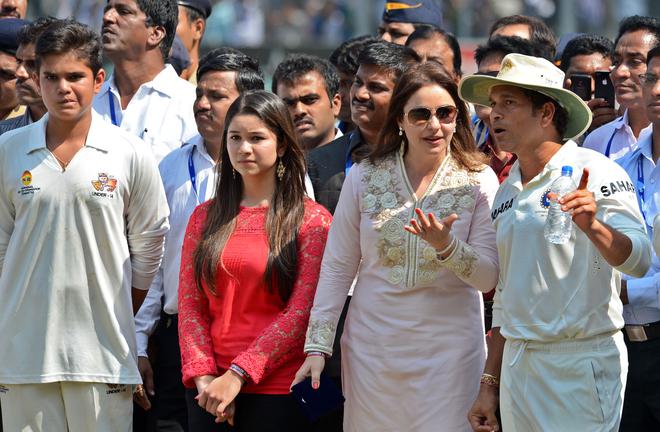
point(400, 132)
point(280, 169)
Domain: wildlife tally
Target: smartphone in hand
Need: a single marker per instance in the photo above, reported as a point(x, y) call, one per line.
point(317, 403)
point(604, 87)
point(581, 86)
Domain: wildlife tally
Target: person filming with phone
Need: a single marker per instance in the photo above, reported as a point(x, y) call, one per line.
point(586, 61)
point(637, 35)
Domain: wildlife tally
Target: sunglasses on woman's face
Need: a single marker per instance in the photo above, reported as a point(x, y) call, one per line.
point(422, 115)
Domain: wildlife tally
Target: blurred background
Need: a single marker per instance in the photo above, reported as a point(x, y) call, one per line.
point(268, 29)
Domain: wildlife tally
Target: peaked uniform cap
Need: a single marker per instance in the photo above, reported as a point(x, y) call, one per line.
point(532, 73)
point(414, 12)
point(202, 6)
point(9, 28)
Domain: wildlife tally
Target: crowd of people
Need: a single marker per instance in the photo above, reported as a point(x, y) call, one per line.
point(180, 248)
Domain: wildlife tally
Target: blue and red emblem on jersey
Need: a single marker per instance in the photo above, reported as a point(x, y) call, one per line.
point(545, 202)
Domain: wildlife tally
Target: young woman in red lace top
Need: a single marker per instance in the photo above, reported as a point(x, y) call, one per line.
point(250, 263)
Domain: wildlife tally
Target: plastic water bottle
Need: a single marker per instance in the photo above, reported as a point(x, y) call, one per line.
point(559, 225)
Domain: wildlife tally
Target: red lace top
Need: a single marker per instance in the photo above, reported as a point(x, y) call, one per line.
point(244, 323)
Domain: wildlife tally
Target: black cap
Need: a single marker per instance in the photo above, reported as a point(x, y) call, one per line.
point(202, 6)
point(414, 12)
point(9, 28)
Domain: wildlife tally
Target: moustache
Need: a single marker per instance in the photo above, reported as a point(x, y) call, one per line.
point(368, 105)
point(303, 120)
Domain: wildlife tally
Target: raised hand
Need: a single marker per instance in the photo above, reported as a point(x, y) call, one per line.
point(582, 204)
point(434, 232)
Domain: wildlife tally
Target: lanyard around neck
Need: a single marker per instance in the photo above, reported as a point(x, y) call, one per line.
point(113, 116)
point(193, 174)
point(640, 185)
point(609, 144)
point(349, 158)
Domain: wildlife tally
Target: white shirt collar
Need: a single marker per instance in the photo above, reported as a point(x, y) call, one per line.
point(198, 142)
point(563, 156)
point(160, 83)
point(38, 134)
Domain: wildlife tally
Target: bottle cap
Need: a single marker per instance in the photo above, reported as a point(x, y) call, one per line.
point(567, 170)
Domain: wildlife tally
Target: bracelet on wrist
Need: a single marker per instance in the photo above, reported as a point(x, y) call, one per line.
point(446, 250)
point(490, 380)
point(316, 354)
point(240, 372)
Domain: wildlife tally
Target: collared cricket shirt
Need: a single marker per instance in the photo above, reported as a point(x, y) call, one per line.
point(72, 244)
point(549, 292)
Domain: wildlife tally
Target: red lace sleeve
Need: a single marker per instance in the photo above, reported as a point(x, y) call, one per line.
point(194, 320)
point(283, 339)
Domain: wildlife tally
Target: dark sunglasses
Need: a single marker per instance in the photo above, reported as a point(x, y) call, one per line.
point(422, 115)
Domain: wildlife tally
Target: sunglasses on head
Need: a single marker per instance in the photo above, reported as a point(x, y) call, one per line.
point(422, 115)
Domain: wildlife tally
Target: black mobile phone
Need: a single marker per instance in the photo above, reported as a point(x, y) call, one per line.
point(604, 87)
point(316, 403)
point(581, 86)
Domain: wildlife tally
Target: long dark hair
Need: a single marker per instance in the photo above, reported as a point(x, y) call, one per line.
point(463, 147)
point(286, 209)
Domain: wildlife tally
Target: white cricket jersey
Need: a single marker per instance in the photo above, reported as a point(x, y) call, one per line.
point(72, 243)
point(549, 292)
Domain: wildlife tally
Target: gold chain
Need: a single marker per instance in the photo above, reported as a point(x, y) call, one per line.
point(66, 164)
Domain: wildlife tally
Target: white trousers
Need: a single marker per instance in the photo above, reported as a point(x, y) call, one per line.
point(572, 385)
point(67, 407)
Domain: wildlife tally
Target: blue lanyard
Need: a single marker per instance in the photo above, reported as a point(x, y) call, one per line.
point(349, 159)
point(113, 116)
point(609, 144)
point(191, 172)
point(640, 184)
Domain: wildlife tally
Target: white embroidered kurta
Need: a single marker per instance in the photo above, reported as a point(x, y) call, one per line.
point(413, 343)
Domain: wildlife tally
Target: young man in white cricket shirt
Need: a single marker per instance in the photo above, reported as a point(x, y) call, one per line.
point(82, 220)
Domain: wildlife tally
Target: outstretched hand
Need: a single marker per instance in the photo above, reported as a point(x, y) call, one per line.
point(434, 232)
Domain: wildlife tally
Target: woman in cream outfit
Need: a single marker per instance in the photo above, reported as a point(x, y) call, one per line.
point(413, 341)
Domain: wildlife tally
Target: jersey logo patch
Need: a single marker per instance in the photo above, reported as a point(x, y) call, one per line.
point(507, 205)
point(618, 186)
point(26, 181)
point(545, 202)
point(116, 388)
point(105, 183)
point(26, 178)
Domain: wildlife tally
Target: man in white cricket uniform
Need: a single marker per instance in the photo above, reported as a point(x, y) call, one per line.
point(563, 365)
point(82, 221)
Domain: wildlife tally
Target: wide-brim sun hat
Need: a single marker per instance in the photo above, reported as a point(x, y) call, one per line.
point(532, 73)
